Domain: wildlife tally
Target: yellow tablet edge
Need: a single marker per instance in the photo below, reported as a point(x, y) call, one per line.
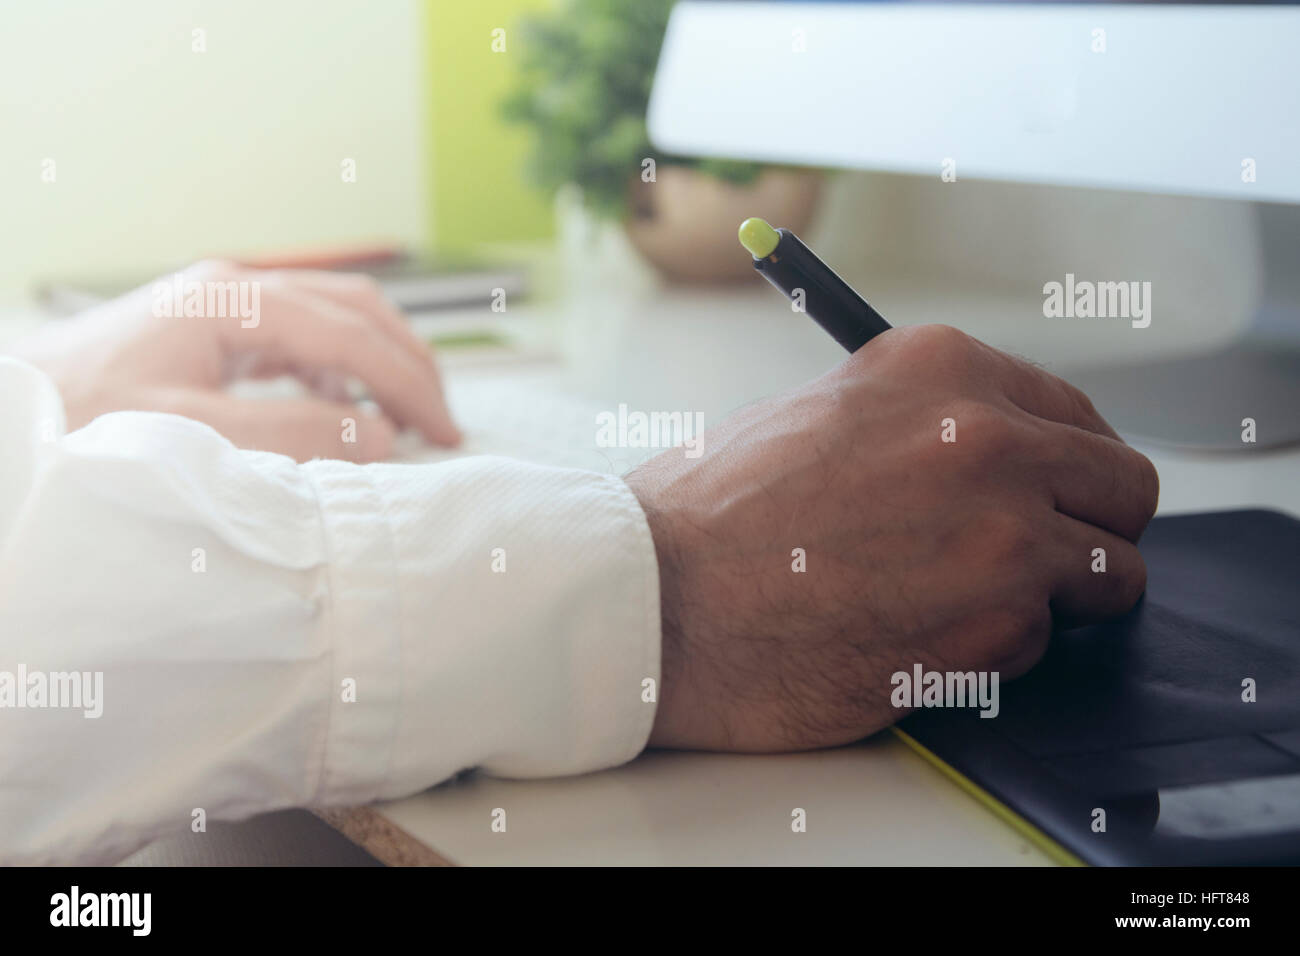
point(1057, 853)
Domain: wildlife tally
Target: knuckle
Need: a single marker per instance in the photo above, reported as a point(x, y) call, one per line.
point(1055, 454)
point(937, 341)
point(1082, 403)
point(1016, 638)
point(989, 431)
point(1004, 638)
point(1009, 540)
point(906, 347)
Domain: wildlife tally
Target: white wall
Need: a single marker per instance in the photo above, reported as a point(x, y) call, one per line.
point(164, 155)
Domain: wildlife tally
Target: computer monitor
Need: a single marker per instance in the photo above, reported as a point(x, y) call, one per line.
point(1184, 99)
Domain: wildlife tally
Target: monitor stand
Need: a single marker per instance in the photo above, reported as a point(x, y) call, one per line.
point(1199, 402)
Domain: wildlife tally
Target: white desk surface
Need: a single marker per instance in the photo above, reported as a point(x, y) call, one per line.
point(872, 803)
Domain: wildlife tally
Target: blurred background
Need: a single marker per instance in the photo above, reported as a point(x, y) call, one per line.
point(140, 137)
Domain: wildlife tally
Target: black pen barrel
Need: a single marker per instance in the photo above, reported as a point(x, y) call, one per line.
point(826, 297)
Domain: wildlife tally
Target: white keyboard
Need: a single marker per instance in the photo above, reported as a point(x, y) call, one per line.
point(528, 419)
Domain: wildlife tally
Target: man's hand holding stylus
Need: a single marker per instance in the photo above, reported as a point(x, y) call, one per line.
point(958, 555)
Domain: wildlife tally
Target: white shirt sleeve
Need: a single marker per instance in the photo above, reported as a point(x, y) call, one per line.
point(185, 626)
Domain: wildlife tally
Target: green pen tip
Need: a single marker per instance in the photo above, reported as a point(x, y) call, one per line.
point(758, 237)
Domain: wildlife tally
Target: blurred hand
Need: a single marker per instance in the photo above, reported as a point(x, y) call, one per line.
point(319, 326)
point(956, 555)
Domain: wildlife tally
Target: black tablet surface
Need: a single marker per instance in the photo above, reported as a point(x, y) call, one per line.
point(1170, 736)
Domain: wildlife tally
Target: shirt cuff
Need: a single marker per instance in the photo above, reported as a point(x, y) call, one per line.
point(489, 614)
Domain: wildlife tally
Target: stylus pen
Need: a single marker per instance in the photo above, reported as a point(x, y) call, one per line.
point(805, 280)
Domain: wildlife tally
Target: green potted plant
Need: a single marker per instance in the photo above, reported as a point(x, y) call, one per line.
point(584, 83)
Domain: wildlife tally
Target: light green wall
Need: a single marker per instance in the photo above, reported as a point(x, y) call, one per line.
point(477, 191)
